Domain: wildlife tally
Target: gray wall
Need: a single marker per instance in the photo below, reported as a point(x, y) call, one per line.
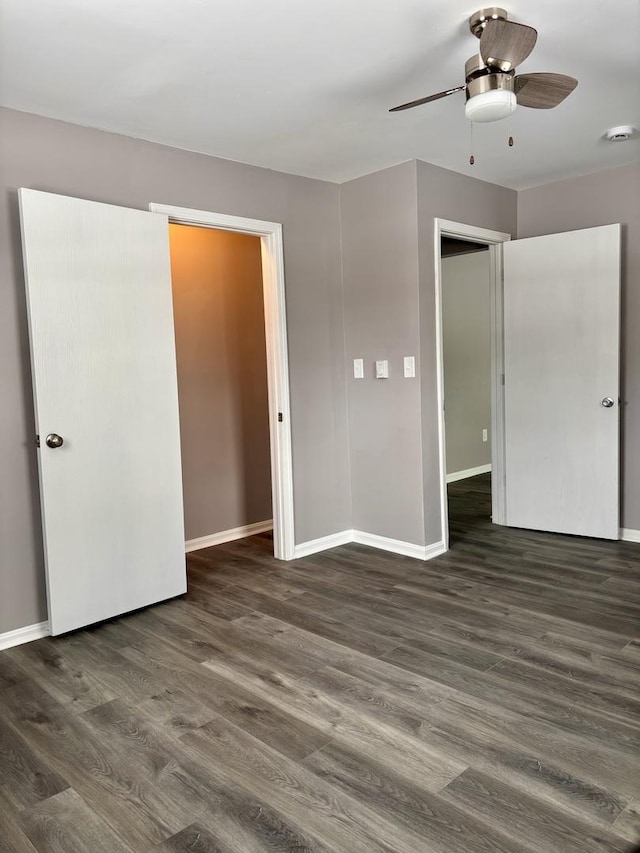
point(446, 195)
point(222, 378)
point(58, 157)
point(466, 339)
point(601, 199)
point(380, 274)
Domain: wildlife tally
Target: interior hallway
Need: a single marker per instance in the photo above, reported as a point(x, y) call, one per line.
point(352, 701)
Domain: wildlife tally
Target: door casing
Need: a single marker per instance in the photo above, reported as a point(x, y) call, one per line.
point(270, 234)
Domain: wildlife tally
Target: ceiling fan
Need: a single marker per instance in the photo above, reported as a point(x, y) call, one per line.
point(493, 89)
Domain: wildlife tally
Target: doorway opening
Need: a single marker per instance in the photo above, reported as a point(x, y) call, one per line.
point(470, 368)
point(231, 337)
point(466, 348)
point(222, 384)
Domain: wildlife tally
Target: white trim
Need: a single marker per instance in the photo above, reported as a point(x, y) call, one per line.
point(313, 546)
point(445, 227)
point(468, 472)
point(397, 546)
point(228, 535)
point(24, 635)
point(629, 535)
point(471, 233)
point(498, 440)
point(382, 543)
point(270, 234)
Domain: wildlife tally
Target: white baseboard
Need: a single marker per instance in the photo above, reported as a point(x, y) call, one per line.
point(434, 550)
point(314, 546)
point(397, 546)
point(383, 543)
point(228, 535)
point(628, 535)
point(469, 472)
point(24, 635)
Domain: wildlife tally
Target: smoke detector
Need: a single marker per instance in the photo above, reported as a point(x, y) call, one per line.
point(620, 134)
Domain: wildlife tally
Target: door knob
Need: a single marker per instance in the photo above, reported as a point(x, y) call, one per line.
point(607, 402)
point(53, 440)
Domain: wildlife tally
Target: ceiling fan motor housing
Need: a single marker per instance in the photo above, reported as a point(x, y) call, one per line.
point(479, 20)
point(489, 92)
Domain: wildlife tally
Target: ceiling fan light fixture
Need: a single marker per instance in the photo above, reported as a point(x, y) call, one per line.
point(492, 105)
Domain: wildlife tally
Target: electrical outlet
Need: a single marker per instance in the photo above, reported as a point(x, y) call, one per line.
point(485, 435)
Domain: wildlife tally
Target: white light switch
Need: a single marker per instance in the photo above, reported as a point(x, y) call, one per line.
point(358, 368)
point(382, 369)
point(409, 367)
point(485, 435)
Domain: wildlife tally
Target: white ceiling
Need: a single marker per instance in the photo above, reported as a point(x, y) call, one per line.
point(304, 87)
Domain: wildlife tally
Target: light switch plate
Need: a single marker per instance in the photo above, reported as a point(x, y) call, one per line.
point(382, 369)
point(358, 368)
point(409, 367)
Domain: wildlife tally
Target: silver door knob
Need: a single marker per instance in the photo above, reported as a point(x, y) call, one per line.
point(607, 402)
point(53, 440)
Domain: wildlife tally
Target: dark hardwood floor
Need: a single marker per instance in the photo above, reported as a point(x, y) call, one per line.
point(484, 702)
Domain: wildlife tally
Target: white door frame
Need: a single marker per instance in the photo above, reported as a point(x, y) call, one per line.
point(270, 234)
point(494, 239)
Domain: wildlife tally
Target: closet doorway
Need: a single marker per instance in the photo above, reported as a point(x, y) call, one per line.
point(222, 384)
point(233, 377)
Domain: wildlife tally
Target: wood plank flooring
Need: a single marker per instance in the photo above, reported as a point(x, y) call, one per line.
point(487, 701)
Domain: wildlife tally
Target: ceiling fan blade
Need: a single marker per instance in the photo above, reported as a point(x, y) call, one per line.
point(543, 91)
point(504, 44)
point(427, 99)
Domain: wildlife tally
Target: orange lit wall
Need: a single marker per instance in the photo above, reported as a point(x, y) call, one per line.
point(222, 378)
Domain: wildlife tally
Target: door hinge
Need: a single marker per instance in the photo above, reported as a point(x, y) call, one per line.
point(502, 378)
point(280, 417)
point(37, 441)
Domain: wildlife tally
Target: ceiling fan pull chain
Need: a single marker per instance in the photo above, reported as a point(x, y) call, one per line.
point(510, 133)
point(472, 159)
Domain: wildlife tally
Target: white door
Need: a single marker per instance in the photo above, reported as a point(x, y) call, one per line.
point(103, 364)
point(561, 346)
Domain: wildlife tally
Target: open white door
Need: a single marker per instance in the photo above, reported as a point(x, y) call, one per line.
point(104, 375)
point(561, 351)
